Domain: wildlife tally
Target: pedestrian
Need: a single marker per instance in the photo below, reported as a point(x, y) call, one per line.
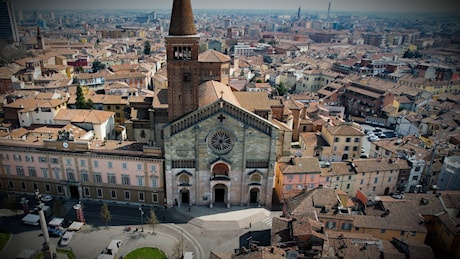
point(189, 208)
point(250, 224)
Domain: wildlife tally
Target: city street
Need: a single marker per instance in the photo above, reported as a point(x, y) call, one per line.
point(174, 228)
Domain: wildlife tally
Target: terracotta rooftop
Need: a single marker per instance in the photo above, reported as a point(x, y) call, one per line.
point(253, 101)
point(211, 91)
point(302, 165)
point(213, 56)
point(83, 116)
point(344, 130)
point(402, 215)
point(307, 200)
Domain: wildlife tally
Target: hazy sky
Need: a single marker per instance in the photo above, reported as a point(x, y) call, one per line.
point(337, 5)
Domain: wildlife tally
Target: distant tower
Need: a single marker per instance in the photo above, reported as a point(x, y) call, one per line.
point(329, 12)
point(40, 40)
point(298, 13)
point(8, 26)
point(182, 47)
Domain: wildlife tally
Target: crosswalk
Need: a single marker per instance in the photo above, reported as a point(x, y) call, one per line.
point(268, 221)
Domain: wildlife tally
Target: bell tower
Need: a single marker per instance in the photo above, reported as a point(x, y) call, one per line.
point(182, 46)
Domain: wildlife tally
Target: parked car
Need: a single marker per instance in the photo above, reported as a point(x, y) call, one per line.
point(47, 198)
point(65, 239)
point(55, 232)
point(373, 138)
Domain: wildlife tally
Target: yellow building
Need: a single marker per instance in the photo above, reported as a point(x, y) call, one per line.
point(390, 218)
point(345, 139)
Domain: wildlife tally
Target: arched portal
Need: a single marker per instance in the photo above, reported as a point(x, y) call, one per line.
point(254, 196)
point(220, 194)
point(185, 196)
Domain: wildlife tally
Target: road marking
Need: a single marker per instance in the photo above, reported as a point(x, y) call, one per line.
point(268, 221)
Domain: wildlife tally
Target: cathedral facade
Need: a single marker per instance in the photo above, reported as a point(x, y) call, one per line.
point(216, 152)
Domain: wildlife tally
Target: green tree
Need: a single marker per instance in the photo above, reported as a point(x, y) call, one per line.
point(259, 81)
point(58, 207)
point(106, 216)
point(412, 54)
point(79, 69)
point(282, 89)
point(147, 48)
point(89, 104)
point(12, 203)
point(152, 220)
point(97, 66)
point(80, 103)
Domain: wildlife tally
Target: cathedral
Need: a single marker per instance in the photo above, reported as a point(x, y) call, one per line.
point(217, 152)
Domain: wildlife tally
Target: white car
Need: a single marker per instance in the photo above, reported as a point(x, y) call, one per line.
point(47, 198)
point(373, 138)
point(65, 239)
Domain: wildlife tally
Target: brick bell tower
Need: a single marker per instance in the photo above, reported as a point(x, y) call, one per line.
point(182, 46)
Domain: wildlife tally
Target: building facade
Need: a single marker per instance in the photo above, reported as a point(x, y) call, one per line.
point(54, 167)
point(216, 152)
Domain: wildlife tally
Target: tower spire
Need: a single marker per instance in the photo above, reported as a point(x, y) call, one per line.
point(182, 22)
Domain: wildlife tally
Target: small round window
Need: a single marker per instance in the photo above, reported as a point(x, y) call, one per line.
point(221, 141)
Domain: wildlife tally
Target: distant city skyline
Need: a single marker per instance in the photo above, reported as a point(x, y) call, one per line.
point(439, 6)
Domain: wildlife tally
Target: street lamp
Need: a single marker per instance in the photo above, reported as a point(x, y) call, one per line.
point(142, 218)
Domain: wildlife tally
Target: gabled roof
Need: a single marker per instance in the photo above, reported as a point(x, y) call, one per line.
point(307, 200)
point(301, 165)
point(211, 91)
point(344, 130)
point(83, 116)
point(213, 56)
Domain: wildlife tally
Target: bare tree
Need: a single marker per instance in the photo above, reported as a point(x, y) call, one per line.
point(58, 207)
point(106, 216)
point(152, 220)
point(12, 203)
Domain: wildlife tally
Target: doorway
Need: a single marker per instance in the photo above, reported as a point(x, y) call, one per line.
point(387, 190)
point(220, 191)
point(185, 196)
point(74, 192)
point(253, 195)
point(220, 195)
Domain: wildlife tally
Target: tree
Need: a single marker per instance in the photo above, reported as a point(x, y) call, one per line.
point(106, 216)
point(147, 48)
point(79, 69)
point(97, 66)
point(282, 89)
point(89, 104)
point(80, 103)
point(12, 203)
point(412, 54)
point(58, 207)
point(152, 220)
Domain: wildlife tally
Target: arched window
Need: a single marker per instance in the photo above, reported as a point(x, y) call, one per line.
point(220, 169)
point(256, 178)
point(184, 179)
